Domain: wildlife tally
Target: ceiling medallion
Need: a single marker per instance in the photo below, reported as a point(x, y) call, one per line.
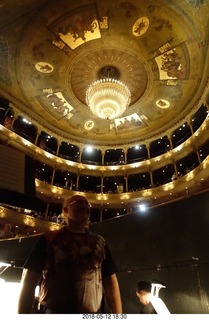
point(163, 104)
point(140, 26)
point(108, 97)
point(89, 125)
point(44, 67)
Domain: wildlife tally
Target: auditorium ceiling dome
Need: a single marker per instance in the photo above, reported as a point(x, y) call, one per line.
point(60, 60)
point(52, 51)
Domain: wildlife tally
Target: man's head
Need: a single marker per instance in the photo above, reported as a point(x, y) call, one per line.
point(143, 290)
point(76, 209)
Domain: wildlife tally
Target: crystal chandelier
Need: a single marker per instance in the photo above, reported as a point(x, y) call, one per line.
point(108, 97)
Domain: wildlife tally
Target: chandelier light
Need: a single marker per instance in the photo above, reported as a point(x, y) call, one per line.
point(108, 98)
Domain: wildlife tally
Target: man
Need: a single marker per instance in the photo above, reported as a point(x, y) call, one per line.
point(73, 266)
point(147, 293)
point(143, 292)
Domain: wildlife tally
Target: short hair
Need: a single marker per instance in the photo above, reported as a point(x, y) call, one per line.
point(71, 199)
point(68, 201)
point(144, 285)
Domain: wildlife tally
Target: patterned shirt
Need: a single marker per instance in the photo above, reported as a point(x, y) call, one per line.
point(72, 266)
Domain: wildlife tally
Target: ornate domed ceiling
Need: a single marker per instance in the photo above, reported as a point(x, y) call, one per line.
point(51, 51)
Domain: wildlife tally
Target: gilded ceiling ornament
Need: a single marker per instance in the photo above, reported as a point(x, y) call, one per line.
point(89, 125)
point(140, 26)
point(163, 104)
point(44, 67)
